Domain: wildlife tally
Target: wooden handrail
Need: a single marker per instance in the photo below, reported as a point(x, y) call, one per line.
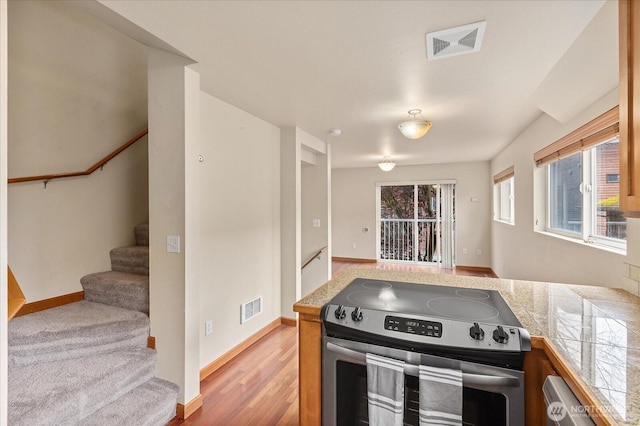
point(314, 257)
point(90, 170)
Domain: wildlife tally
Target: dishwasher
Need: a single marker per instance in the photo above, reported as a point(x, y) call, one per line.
point(563, 408)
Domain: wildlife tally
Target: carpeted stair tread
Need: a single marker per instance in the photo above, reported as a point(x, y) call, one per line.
point(65, 392)
point(74, 330)
point(87, 362)
point(142, 234)
point(151, 404)
point(123, 289)
point(134, 259)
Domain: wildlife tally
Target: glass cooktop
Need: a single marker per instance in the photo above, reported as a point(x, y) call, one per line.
point(456, 303)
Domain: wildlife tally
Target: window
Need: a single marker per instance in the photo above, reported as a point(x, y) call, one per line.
point(582, 186)
point(503, 196)
point(565, 198)
point(608, 219)
point(583, 201)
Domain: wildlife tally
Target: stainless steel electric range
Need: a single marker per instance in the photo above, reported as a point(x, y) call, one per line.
point(471, 330)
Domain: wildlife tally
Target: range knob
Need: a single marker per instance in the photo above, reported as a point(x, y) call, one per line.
point(476, 332)
point(341, 312)
point(500, 336)
point(356, 315)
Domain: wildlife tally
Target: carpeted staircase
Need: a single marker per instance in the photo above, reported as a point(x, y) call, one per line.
point(87, 362)
point(127, 284)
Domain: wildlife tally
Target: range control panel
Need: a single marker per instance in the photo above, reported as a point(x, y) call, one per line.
point(424, 331)
point(413, 326)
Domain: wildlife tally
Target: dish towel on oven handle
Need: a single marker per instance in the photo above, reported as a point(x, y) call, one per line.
point(440, 396)
point(385, 390)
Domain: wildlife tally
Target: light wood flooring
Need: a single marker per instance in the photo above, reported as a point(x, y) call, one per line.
point(339, 265)
point(260, 386)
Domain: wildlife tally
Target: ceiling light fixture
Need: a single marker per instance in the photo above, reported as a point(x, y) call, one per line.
point(386, 165)
point(414, 128)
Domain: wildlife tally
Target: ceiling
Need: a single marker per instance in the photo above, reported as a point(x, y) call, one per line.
point(361, 65)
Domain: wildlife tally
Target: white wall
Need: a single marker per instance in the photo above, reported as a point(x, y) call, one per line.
point(354, 207)
point(77, 90)
point(631, 265)
point(316, 195)
point(521, 253)
point(290, 219)
point(3, 212)
point(174, 107)
point(239, 223)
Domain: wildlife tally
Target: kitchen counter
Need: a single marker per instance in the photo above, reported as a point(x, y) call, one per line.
point(594, 331)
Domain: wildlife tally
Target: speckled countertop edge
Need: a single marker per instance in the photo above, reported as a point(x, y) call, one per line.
point(518, 294)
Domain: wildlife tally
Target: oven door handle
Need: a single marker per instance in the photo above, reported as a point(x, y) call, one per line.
point(413, 370)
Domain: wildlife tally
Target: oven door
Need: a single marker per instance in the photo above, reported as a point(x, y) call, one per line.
point(491, 395)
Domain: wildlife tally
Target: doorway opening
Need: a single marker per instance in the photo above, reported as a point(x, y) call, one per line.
point(416, 222)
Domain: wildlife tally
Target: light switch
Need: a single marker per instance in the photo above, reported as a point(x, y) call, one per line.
point(316, 223)
point(173, 244)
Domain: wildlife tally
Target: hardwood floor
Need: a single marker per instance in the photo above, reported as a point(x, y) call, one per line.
point(260, 386)
point(339, 265)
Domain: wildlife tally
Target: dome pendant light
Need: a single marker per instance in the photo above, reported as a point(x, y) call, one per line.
point(386, 165)
point(414, 128)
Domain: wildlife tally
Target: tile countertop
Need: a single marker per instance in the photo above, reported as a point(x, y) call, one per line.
point(595, 329)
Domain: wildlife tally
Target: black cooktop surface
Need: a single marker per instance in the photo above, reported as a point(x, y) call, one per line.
point(455, 303)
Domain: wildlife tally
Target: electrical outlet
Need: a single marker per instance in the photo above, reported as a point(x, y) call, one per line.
point(479, 252)
point(208, 327)
point(316, 223)
point(173, 244)
point(354, 245)
point(465, 251)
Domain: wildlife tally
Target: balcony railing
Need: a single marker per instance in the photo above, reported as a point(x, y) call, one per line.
point(398, 240)
point(614, 230)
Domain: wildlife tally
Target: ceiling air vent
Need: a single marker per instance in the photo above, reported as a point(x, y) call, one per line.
point(455, 41)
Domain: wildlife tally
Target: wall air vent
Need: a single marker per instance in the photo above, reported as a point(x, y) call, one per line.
point(250, 309)
point(455, 41)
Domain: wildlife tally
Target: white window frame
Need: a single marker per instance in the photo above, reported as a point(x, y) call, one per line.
point(588, 206)
point(501, 200)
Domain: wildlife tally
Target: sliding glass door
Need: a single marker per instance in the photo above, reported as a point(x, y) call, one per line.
point(416, 222)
